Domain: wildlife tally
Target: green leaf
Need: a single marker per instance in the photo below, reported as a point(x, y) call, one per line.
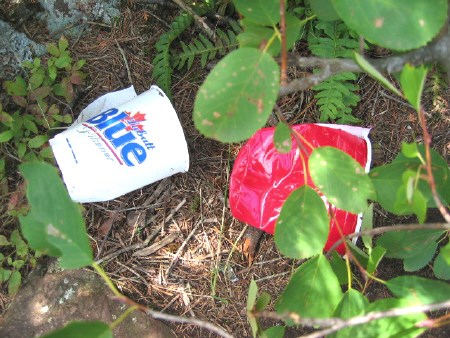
point(37, 78)
point(324, 10)
point(339, 267)
point(21, 149)
point(30, 125)
point(52, 49)
point(410, 150)
point(358, 254)
point(5, 274)
point(408, 243)
point(445, 252)
point(421, 259)
point(412, 80)
point(4, 241)
point(302, 228)
point(46, 152)
point(237, 98)
point(367, 224)
point(419, 290)
point(372, 71)
point(401, 326)
point(273, 332)
point(252, 293)
point(19, 243)
point(387, 179)
point(409, 198)
point(54, 223)
point(79, 64)
point(394, 24)
point(67, 119)
point(375, 258)
point(262, 302)
point(341, 179)
point(313, 290)
point(441, 268)
point(63, 44)
point(352, 304)
point(282, 138)
point(18, 87)
point(85, 329)
point(37, 141)
point(18, 264)
point(63, 61)
point(52, 72)
point(255, 35)
point(14, 282)
point(263, 12)
point(251, 300)
point(6, 136)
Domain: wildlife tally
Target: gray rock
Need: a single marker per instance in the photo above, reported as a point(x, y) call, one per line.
point(48, 302)
point(15, 48)
point(70, 17)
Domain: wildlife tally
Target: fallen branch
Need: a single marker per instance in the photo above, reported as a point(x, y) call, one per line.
point(436, 51)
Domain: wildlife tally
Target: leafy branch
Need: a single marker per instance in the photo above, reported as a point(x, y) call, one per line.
point(436, 51)
point(336, 324)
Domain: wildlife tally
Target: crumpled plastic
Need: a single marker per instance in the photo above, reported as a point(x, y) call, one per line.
point(262, 178)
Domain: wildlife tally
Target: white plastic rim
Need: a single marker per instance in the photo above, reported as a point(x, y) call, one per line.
point(121, 149)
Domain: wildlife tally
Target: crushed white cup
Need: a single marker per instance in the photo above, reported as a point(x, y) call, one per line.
point(121, 142)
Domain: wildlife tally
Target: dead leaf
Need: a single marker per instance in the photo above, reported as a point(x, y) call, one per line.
point(106, 226)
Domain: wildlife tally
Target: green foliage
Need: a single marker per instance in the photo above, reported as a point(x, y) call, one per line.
point(13, 256)
point(372, 71)
point(401, 187)
point(27, 127)
point(313, 280)
point(399, 183)
point(162, 68)
point(205, 49)
point(416, 248)
point(248, 93)
point(294, 235)
point(54, 225)
point(337, 95)
point(394, 24)
point(341, 179)
point(412, 80)
point(168, 58)
point(86, 329)
point(282, 138)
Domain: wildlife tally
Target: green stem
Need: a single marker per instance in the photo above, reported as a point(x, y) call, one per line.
point(107, 280)
point(122, 317)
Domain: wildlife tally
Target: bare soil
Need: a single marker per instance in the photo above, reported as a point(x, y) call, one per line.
point(202, 272)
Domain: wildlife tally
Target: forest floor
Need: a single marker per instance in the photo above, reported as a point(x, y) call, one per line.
point(209, 278)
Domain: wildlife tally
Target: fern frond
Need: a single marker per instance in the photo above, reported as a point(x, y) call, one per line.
point(162, 69)
point(205, 49)
point(336, 96)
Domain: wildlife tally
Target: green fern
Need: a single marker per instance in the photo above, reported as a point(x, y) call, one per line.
point(162, 69)
point(206, 50)
point(336, 95)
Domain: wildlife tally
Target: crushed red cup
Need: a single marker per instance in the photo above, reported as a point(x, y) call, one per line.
point(262, 178)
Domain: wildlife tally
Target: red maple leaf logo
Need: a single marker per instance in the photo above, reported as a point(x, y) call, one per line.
point(133, 121)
